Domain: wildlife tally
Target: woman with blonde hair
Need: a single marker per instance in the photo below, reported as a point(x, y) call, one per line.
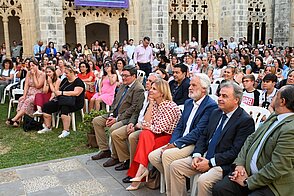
point(161, 117)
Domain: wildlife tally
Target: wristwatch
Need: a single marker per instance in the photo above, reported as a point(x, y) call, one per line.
point(245, 183)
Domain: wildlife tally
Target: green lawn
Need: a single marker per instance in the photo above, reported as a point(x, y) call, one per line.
point(18, 147)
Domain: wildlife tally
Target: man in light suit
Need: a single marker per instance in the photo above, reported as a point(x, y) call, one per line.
point(194, 120)
point(264, 165)
point(128, 99)
point(218, 145)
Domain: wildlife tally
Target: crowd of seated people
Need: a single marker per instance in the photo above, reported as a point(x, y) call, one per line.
point(208, 139)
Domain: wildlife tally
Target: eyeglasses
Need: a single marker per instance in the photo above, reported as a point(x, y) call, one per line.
point(82, 66)
point(125, 76)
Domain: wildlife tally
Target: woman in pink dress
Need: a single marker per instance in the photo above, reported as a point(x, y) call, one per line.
point(106, 88)
point(34, 83)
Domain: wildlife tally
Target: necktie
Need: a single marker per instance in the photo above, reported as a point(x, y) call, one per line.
point(212, 145)
point(253, 147)
point(115, 112)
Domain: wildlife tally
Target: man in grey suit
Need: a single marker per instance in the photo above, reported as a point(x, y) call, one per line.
point(128, 99)
point(264, 165)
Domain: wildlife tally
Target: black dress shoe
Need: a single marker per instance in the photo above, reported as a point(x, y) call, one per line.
point(127, 179)
point(123, 166)
point(102, 155)
point(110, 162)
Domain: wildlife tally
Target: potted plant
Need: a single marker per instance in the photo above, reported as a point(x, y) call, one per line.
point(87, 126)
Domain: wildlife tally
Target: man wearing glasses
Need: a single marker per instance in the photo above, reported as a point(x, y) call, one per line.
point(125, 108)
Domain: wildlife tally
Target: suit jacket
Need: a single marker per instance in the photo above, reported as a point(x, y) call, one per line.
point(199, 122)
point(275, 160)
point(180, 93)
point(233, 136)
point(131, 103)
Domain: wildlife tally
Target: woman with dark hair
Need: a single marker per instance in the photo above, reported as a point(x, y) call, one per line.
point(88, 77)
point(289, 80)
point(87, 51)
point(6, 75)
point(120, 53)
point(120, 64)
point(34, 83)
point(106, 88)
point(162, 73)
point(23, 69)
point(50, 50)
point(258, 66)
point(245, 64)
point(51, 84)
point(220, 63)
point(163, 62)
point(71, 86)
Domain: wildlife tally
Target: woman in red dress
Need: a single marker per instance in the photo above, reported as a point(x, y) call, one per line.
point(160, 119)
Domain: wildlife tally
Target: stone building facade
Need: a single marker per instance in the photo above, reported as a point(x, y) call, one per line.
point(62, 22)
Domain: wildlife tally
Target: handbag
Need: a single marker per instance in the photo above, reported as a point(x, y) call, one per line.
point(66, 100)
point(92, 143)
point(29, 124)
point(153, 179)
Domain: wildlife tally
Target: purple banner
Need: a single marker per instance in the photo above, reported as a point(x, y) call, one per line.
point(103, 3)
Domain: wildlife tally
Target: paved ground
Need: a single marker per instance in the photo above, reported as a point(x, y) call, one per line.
point(70, 176)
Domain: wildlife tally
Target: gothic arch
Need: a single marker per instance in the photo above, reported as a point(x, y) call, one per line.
point(257, 20)
point(200, 15)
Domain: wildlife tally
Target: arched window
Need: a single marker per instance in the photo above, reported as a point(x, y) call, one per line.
point(256, 21)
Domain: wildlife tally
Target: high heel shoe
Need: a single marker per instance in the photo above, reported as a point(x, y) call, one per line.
point(139, 178)
point(133, 188)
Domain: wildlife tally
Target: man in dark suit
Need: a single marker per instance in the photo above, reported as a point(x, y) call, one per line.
point(128, 99)
point(264, 165)
point(180, 85)
point(218, 145)
point(194, 120)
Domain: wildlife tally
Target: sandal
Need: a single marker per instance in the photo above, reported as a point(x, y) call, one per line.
point(9, 121)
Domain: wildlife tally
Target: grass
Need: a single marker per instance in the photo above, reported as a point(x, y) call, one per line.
point(18, 147)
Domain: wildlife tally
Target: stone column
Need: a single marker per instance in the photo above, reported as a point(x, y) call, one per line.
point(26, 47)
point(234, 17)
point(114, 31)
point(282, 21)
point(199, 33)
point(50, 23)
point(180, 31)
point(253, 33)
point(259, 30)
point(6, 36)
point(190, 30)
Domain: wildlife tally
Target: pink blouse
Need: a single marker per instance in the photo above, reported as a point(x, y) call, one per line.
point(165, 117)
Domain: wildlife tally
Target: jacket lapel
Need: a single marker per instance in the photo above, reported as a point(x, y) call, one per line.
point(199, 110)
point(288, 119)
point(213, 128)
point(231, 121)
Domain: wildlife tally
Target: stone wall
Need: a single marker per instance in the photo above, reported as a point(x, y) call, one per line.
point(154, 20)
point(49, 22)
point(282, 22)
point(233, 18)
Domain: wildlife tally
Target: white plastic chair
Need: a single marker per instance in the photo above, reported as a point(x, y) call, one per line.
point(214, 88)
point(13, 100)
point(257, 113)
point(181, 107)
point(218, 80)
point(73, 121)
point(140, 75)
point(9, 86)
point(214, 97)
